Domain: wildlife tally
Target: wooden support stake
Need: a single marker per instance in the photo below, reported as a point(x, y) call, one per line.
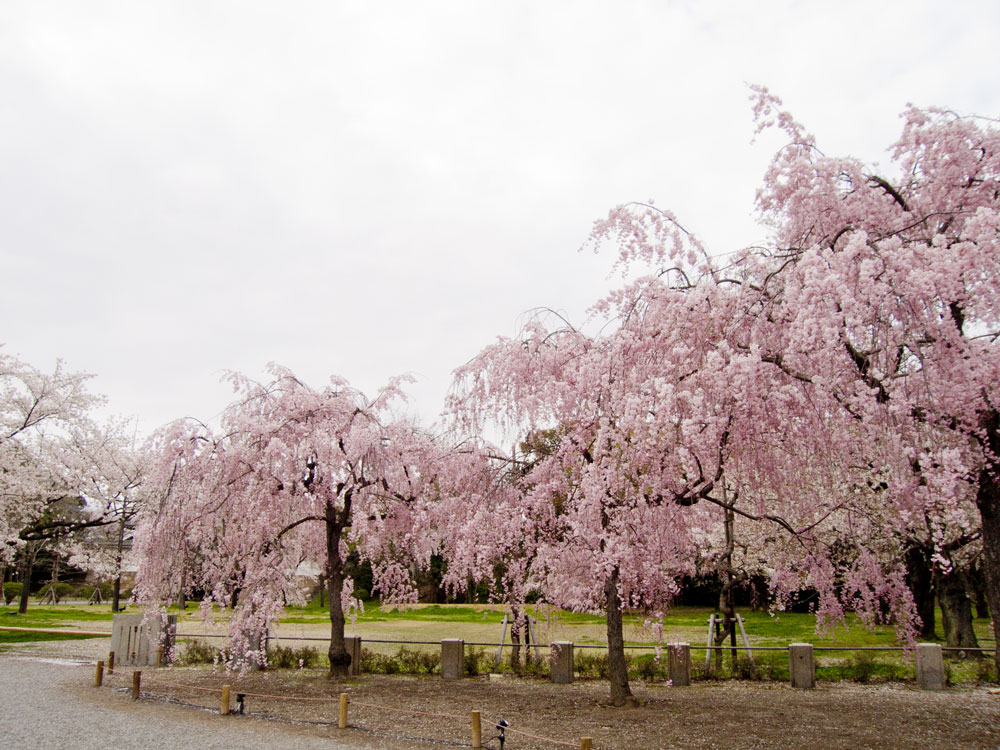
point(111, 662)
point(342, 713)
point(534, 639)
point(586, 743)
point(708, 643)
point(746, 642)
point(159, 656)
point(99, 674)
point(224, 708)
point(477, 730)
point(136, 680)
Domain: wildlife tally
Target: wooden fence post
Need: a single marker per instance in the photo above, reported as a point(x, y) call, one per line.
point(342, 714)
point(136, 680)
point(586, 743)
point(99, 675)
point(477, 730)
point(224, 708)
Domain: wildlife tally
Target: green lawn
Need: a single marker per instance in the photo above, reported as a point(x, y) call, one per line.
point(483, 623)
point(57, 616)
point(8, 636)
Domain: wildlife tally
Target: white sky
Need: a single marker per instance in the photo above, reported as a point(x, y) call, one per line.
point(370, 189)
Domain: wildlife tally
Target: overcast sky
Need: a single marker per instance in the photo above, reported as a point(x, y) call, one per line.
point(376, 188)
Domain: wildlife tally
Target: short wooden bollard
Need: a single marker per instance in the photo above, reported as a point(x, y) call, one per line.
point(586, 743)
point(477, 730)
point(136, 681)
point(224, 708)
point(159, 656)
point(111, 662)
point(99, 674)
point(342, 713)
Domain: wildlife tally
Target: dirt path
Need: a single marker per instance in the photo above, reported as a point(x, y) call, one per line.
point(732, 715)
point(402, 710)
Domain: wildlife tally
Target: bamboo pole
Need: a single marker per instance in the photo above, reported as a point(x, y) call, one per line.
point(99, 674)
point(342, 713)
point(224, 708)
point(477, 730)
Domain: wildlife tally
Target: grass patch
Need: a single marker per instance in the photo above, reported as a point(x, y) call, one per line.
point(10, 636)
point(866, 666)
point(57, 616)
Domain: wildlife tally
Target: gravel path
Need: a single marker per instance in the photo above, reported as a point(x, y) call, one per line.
point(42, 705)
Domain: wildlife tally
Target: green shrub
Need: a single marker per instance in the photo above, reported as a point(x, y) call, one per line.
point(743, 669)
point(772, 665)
point(476, 662)
point(286, 657)
point(592, 664)
point(11, 591)
point(198, 652)
point(985, 671)
point(64, 591)
point(404, 661)
point(862, 666)
point(647, 667)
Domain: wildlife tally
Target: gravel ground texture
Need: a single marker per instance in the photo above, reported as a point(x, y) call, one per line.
point(412, 712)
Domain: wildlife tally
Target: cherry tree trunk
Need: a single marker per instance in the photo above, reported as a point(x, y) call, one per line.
point(728, 630)
point(515, 640)
point(956, 611)
point(340, 660)
point(617, 667)
point(920, 581)
point(27, 560)
point(979, 591)
point(988, 502)
point(116, 597)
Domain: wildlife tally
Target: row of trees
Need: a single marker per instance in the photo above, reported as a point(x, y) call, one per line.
point(820, 412)
point(66, 483)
